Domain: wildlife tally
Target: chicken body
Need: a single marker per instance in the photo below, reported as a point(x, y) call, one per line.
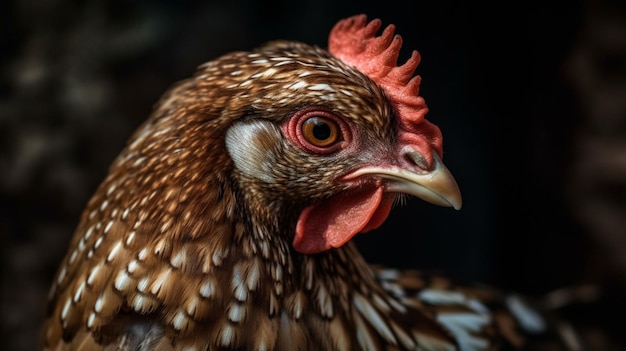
point(225, 222)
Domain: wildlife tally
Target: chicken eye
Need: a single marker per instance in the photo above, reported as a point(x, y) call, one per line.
point(320, 131)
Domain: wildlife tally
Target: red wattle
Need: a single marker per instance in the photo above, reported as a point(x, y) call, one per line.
point(380, 216)
point(334, 222)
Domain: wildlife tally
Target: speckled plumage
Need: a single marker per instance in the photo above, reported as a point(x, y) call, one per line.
point(187, 243)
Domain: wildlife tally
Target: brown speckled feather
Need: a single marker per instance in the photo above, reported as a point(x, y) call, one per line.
point(187, 243)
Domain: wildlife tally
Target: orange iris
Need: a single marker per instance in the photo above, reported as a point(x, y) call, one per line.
point(321, 131)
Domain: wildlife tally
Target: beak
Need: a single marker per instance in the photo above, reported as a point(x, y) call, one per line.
point(436, 186)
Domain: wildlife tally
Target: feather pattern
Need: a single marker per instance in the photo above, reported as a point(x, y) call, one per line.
point(187, 243)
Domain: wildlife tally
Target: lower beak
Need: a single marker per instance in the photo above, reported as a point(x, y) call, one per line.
point(436, 186)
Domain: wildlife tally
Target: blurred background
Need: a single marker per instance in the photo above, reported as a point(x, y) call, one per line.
point(530, 96)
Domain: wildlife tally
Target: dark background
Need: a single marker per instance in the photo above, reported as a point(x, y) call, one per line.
point(531, 98)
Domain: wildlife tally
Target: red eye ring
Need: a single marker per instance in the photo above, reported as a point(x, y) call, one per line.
point(318, 131)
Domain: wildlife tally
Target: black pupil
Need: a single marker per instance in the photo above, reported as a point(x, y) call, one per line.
point(321, 130)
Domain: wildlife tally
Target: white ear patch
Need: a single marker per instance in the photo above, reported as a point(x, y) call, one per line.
point(253, 146)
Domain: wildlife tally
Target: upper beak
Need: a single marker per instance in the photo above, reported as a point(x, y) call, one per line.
point(436, 186)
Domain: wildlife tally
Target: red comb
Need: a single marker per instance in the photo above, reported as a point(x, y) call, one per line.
point(354, 41)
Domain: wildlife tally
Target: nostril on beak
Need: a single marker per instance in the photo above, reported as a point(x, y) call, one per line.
point(419, 160)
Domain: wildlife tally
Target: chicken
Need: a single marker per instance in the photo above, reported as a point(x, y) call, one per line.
point(225, 223)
